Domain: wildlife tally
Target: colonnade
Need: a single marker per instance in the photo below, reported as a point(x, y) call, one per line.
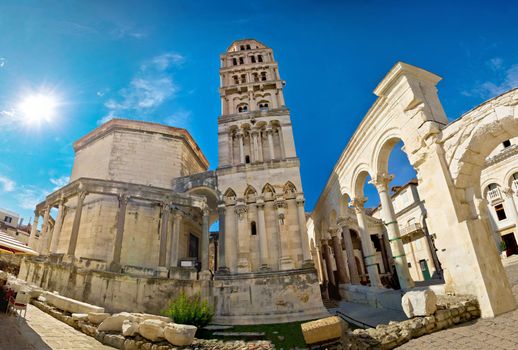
point(257, 143)
point(168, 256)
point(234, 254)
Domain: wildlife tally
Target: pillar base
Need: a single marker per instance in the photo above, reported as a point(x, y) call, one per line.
point(265, 267)
point(115, 267)
point(243, 266)
point(70, 259)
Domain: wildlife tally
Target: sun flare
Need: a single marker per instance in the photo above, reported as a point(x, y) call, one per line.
point(38, 108)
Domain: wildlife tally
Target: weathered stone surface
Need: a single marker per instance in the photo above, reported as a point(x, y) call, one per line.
point(179, 334)
point(419, 303)
point(114, 322)
point(152, 329)
point(114, 340)
point(328, 328)
point(70, 305)
point(80, 317)
point(97, 317)
point(129, 328)
point(142, 317)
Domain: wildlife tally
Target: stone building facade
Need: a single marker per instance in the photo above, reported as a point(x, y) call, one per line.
point(131, 229)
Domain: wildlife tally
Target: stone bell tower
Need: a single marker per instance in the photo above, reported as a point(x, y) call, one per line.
point(264, 225)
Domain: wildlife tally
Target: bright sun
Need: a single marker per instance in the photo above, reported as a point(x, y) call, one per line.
point(38, 108)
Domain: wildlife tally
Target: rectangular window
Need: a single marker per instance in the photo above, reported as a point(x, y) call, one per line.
point(8, 219)
point(500, 212)
point(193, 246)
point(507, 143)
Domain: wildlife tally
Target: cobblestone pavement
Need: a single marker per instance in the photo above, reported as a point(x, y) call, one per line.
point(496, 333)
point(42, 332)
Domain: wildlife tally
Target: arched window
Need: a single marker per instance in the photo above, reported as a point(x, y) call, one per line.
point(260, 58)
point(263, 106)
point(234, 61)
point(243, 78)
point(241, 60)
point(248, 47)
point(242, 47)
point(230, 194)
point(515, 176)
point(263, 76)
point(289, 188)
point(242, 108)
point(492, 186)
point(247, 159)
point(253, 228)
point(252, 59)
point(256, 77)
point(236, 79)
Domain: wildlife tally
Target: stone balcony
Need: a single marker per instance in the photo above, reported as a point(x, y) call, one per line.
point(494, 196)
point(411, 228)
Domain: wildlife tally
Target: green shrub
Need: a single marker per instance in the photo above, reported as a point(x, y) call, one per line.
point(190, 310)
point(503, 246)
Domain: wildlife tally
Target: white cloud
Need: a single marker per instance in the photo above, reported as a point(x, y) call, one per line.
point(151, 86)
point(489, 89)
point(495, 63)
point(29, 196)
point(6, 184)
point(59, 182)
point(180, 120)
point(3, 62)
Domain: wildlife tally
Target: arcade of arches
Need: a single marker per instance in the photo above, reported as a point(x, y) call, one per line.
point(449, 159)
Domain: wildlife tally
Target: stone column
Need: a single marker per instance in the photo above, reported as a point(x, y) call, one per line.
point(368, 250)
point(164, 225)
point(240, 139)
point(34, 230)
point(269, 133)
point(349, 250)
point(322, 267)
point(222, 261)
point(231, 244)
point(117, 245)
point(329, 265)
point(509, 193)
point(42, 243)
point(301, 215)
point(205, 240)
point(339, 256)
point(243, 264)
point(260, 146)
point(285, 261)
point(281, 143)
point(381, 181)
point(175, 239)
point(255, 146)
point(230, 149)
point(75, 226)
point(261, 228)
point(56, 233)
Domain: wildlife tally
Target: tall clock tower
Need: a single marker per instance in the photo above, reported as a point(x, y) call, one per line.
point(259, 173)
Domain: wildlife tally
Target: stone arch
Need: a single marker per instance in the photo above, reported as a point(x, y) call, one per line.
point(250, 193)
point(508, 178)
point(383, 149)
point(230, 194)
point(488, 132)
point(360, 175)
point(343, 204)
point(289, 188)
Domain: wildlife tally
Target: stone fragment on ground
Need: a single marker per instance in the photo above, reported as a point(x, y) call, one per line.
point(419, 303)
point(114, 322)
point(179, 334)
point(152, 329)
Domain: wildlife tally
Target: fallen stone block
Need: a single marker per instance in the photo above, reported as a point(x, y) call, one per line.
point(114, 322)
point(419, 303)
point(179, 334)
point(129, 328)
point(142, 317)
point(97, 317)
point(70, 305)
point(152, 329)
point(325, 329)
point(114, 340)
point(80, 317)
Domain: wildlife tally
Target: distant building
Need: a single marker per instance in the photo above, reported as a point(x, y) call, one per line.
point(9, 218)
point(11, 224)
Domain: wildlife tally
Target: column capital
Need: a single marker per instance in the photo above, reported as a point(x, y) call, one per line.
point(333, 231)
point(177, 214)
point(300, 200)
point(205, 211)
point(241, 210)
point(166, 206)
point(381, 181)
point(259, 202)
point(358, 203)
point(82, 194)
point(123, 198)
point(280, 203)
point(508, 191)
point(341, 221)
point(221, 208)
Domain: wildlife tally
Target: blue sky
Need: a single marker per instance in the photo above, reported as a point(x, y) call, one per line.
point(159, 61)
